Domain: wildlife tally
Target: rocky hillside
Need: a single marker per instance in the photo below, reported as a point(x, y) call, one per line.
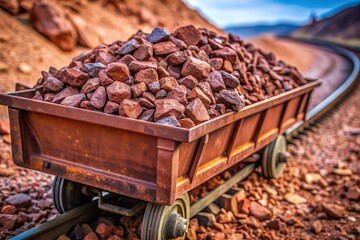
point(343, 25)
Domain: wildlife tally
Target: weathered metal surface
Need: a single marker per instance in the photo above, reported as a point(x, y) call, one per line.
point(139, 159)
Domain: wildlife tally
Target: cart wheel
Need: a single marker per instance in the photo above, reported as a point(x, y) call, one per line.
point(67, 194)
point(166, 222)
point(274, 158)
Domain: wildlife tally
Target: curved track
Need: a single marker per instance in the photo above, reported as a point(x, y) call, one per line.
point(65, 222)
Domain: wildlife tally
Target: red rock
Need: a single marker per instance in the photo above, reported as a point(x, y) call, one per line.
point(198, 93)
point(227, 66)
point(50, 20)
point(316, 226)
point(111, 107)
point(232, 98)
point(91, 85)
point(114, 237)
point(225, 53)
point(229, 79)
point(176, 58)
point(189, 81)
point(62, 237)
point(127, 59)
point(136, 66)
point(74, 100)
point(353, 194)
point(146, 76)
point(86, 105)
point(244, 206)
point(149, 97)
point(154, 86)
point(104, 78)
point(138, 89)
point(168, 83)
point(118, 91)
point(69, 91)
point(179, 43)
point(170, 121)
point(98, 99)
point(19, 200)
point(332, 210)
point(174, 71)
point(216, 81)
point(197, 112)
point(167, 108)
point(186, 123)
point(8, 221)
point(147, 115)
point(130, 108)
point(52, 84)
point(195, 67)
point(4, 127)
point(8, 209)
point(75, 77)
point(189, 34)
point(205, 87)
point(11, 6)
point(205, 219)
point(128, 47)
point(212, 111)
point(162, 72)
point(105, 58)
point(91, 236)
point(178, 93)
point(260, 212)
point(165, 48)
point(216, 63)
point(103, 230)
point(118, 71)
point(144, 52)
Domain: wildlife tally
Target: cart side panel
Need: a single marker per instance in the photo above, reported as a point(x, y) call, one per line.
point(290, 113)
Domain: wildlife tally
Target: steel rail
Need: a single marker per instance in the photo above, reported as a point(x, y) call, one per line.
point(65, 222)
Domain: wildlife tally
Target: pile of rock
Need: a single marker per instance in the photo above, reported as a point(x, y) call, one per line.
point(180, 79)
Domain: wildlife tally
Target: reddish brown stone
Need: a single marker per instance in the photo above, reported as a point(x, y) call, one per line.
point(127, 59)
point(244, 206)
point(105, 58)
point(149, 96)
point(146, 76)
point(118, 71)
point(104, 230)
point(189, 81)
point(118, 91)
point(176, 58)
point(130, 108)
point(225, 53)
point(260, 212)
point(168, 83)
point(136, 66)
point(104, 78)
point(212, 111)
point(229, 79)
point(8, 209)
point(216, 81)
point(75, 77)
point(197, 112)
point(49, 19)
point(111, 107)
point(98, 99)
point(227, 66)
point(69, 91)
point(147, 115)
point(12, 6)
point(202, 56)
point(161, 94)
point(91, 85)
point(174, 71)
point(179, 43)
point(216, 63)
point(165, 48)
point(233, 99)
point(74, 100)
point(198, 93)
point(162, 72)
point(195, 67)
point(144, 52)
point(91, 236)
point(178, 93)
point(168, 107)
point(8, 221)
point(138, 89)
point(186, 123)
point(205, 87)
point(86, 105)
point(145, 103)
point(52, 84)
point(189, 34)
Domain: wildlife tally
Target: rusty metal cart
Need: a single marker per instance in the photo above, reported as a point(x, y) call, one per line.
point(156, 164)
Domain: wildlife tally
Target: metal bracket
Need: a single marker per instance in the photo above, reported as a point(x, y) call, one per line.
point(129, 212)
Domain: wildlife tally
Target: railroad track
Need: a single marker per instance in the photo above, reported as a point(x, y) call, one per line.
point(85, 213)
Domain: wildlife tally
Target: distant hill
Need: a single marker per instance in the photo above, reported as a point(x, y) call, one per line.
point(344, 25)
point(255, 30)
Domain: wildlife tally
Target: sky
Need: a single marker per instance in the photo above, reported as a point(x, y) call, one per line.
point(249, 12)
